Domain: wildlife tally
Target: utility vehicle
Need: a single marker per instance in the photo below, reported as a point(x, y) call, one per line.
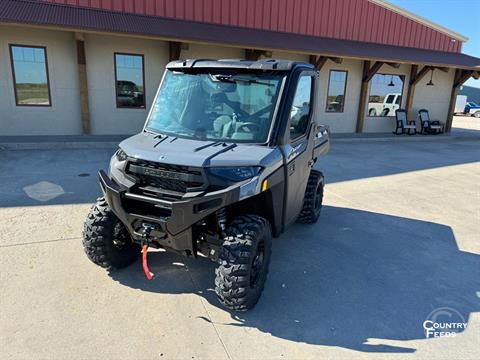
point(472, 109)
point(223, 164)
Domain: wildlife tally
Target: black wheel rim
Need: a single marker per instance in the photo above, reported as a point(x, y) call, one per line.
point(257, 267)
point(120, 236)
point(318, 198)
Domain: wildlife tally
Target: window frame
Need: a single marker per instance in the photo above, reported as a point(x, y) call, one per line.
point(14, 78)
point(344, 91)
point(401, 76)
point(312, 94)
point(116, 79)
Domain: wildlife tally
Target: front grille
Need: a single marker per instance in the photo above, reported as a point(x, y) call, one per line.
point(156, 178)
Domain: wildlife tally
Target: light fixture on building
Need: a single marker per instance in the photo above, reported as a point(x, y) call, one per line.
point(430, 83)
point(391, 82)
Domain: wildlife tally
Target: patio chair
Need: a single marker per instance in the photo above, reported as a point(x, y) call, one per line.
point(429, 126)
point(403, 125)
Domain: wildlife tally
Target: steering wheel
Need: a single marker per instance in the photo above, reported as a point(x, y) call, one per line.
point(249, 126)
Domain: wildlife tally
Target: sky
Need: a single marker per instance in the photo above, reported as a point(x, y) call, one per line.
point(460, 16)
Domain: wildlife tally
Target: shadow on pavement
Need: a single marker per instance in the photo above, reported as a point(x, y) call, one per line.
point(352, 277)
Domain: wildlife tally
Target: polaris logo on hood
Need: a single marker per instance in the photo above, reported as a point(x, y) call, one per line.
point(164, 174)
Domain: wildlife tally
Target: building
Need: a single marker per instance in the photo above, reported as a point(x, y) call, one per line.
point(72, 67)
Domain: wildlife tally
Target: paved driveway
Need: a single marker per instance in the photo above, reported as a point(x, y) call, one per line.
point(398, 238)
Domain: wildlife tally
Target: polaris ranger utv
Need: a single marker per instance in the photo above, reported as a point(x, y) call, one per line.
point(223, 164)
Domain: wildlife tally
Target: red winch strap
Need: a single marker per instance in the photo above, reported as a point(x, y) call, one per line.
point(148, 274)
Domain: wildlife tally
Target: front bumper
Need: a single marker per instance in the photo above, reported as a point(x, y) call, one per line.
point(172, 221)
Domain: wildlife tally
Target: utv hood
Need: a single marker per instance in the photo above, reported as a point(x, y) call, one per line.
point(198, 153)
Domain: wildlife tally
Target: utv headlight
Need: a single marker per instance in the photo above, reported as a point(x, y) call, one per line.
point(121, 155)
point(235, 173)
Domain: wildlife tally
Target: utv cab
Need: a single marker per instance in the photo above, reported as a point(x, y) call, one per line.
point(223, 164)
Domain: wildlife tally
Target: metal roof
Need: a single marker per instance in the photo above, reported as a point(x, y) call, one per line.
point(420, 19)
point(359, 20)
point(87, 19)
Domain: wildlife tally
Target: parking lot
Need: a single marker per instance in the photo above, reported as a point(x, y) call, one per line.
point(398, 237)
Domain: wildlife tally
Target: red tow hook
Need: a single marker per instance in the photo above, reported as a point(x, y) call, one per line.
point(147, 272)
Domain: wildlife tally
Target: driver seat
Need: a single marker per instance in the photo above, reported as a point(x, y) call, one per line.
point(232, 130)
point(228, 129)
point(219, 125)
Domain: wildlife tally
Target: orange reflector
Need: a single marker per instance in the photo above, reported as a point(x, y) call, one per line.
point(264, 185)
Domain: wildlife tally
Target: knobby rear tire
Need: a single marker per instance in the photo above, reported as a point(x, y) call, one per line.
point(313, 199)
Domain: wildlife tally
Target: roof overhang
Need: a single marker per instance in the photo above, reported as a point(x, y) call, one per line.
point(75, 18)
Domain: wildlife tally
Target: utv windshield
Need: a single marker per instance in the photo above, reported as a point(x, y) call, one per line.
point(236, 107)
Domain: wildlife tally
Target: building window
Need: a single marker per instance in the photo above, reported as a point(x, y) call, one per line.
point(30, 75)
point(129, 81)
point(301, 108)
point(337, 85)
point(385, 94)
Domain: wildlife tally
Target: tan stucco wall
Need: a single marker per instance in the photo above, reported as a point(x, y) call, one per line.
point(289, 56)
point(435, 99)
point(211, 52)
point(344, 122)
point(63, 117)
point(105, 117)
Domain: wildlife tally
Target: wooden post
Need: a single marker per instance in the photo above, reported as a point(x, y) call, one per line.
point(411, 92)
point(368, 73)
point(421, 74)
point(82, 76)
point(251, 54)
point(363, 97)
point(175, 48)
point(460, 77)
point(451, 109)
point(415, 77)
point(319, 61)
point(254, 54)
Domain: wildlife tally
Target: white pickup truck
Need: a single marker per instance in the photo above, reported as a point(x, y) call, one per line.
point(391, 102)
point(472, 109)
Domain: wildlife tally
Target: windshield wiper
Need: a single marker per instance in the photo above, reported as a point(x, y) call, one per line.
point(151, 132)
point(232, 79)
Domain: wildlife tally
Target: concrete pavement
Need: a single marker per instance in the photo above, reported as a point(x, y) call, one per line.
point(398, 238)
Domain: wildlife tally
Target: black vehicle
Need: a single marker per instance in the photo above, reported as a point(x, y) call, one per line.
point(128, 94)
point(223, 164)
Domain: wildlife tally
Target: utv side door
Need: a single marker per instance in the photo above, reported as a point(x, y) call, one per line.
point(298, 149)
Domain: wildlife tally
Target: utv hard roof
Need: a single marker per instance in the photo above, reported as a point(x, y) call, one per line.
point(264, 64)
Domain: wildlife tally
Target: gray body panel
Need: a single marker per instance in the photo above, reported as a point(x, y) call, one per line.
point(199, 153)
